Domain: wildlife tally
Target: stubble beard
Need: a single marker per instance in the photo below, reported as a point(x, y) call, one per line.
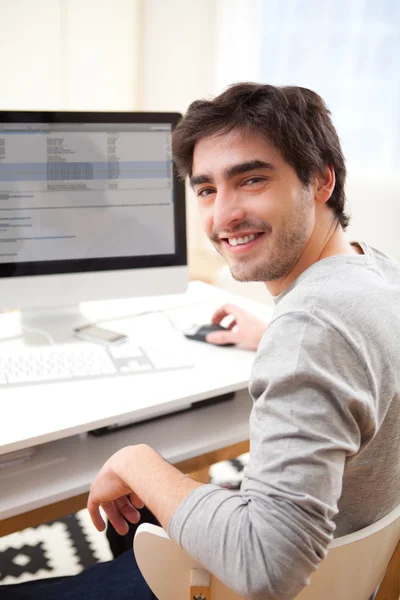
point(282, 257)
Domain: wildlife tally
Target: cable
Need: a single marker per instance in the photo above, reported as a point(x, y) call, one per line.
point(40, 332)
point(152, 312)
point(164, 312)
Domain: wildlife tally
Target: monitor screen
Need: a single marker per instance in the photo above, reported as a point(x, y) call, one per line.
point(88, 193)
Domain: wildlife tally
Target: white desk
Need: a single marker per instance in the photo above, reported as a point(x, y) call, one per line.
point(55, 417)
point(60, 472)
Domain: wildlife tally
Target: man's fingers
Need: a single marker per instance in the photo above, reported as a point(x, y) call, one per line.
point(128, 511)
point(226, 310)
point(221, 312)
point(222, 337)
point(118, 512)
point(94, 511)
point(115, 517)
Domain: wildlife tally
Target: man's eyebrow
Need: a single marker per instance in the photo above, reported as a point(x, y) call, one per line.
point(230, 172)
point(251, 165)
point(197, 179)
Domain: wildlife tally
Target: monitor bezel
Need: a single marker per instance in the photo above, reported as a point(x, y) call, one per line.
point(85, 265)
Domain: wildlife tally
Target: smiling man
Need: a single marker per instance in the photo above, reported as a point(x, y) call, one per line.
point(268, 172)
point(258, 214)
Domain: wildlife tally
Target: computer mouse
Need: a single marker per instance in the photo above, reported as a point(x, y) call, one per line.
point(199, 332)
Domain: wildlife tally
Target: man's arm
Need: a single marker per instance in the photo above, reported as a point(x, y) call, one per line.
point(142, 474)
point(310, 396)
point(312, 405)
point(143, 470)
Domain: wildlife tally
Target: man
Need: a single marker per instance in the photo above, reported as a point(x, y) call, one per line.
point(268, 172)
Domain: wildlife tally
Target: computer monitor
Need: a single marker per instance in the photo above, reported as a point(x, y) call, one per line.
point(91, 208)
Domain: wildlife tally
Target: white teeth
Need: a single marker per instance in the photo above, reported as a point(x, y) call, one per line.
point(245, 240)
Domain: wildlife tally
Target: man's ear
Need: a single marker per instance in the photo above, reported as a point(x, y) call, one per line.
point(324, 184)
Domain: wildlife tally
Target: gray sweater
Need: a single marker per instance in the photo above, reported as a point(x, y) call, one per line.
point(324, 432)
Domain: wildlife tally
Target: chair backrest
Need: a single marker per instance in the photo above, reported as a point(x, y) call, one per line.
point(168, 569)
point(352, 570)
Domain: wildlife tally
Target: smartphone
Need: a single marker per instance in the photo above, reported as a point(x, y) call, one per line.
point(93, 333)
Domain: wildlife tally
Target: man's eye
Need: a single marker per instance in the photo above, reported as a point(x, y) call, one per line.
point(205, 192)
point(253, 180)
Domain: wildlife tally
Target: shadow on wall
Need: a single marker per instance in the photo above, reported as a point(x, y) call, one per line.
point(374, 203)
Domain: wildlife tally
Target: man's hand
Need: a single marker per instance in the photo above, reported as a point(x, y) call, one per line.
point(133, 477)
point(245, 329)
point(114, 495)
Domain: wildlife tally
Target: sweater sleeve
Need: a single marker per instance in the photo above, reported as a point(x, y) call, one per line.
point(311, 402)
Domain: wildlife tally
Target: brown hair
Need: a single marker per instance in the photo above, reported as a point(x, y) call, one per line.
point(294, 119)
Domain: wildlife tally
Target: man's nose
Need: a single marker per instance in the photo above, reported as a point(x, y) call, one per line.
point(227, 210)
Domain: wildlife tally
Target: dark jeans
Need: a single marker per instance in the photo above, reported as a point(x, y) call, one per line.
point(118, 579)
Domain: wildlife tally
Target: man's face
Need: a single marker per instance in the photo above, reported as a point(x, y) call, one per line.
point(253, 206)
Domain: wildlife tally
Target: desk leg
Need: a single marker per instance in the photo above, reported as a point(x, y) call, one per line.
point(196, 466)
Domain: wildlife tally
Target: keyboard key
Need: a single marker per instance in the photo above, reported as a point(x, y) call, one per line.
point(76, 361)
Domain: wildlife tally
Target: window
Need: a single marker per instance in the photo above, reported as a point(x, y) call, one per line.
point(346, 50)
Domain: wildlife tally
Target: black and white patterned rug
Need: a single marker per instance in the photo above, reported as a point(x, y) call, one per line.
point(71, 544)
point(62, 547)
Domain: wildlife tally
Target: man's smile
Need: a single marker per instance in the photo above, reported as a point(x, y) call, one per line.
point(242, 242)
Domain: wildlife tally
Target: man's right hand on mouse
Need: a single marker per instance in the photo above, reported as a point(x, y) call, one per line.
point(245, 329)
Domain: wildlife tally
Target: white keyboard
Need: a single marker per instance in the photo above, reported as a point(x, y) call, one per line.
point(85, 360)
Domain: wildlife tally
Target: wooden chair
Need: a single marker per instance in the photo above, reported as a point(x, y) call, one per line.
point(352, 570)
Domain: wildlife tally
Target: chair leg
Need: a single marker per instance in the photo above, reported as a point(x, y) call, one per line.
point(200, 585)
point(199, 593)
point(390, 586)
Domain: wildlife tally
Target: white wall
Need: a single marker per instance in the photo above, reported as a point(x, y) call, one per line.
point(374, 203)
point(177, 53)
point(101, 54)
point(106, 54)
point(68, 54)
point(30, 50)
point(177, 67)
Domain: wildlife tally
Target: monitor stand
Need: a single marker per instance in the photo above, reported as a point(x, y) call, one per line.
point(41, 327)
